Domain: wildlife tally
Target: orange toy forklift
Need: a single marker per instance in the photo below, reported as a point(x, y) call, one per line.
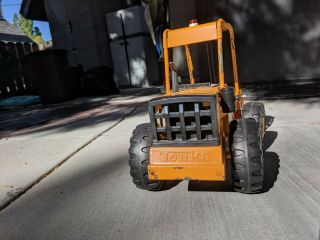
point(200, 125)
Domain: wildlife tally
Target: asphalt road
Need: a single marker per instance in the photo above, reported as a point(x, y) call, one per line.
point(91, 196)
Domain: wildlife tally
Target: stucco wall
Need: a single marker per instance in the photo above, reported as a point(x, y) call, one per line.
point(275, 39)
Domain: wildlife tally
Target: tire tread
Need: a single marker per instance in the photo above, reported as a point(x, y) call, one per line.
point(248, 166)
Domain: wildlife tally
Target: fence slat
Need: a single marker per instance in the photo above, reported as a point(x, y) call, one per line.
point(3, 55)
point(8, 70)
point(28, 82)
point(13, 68)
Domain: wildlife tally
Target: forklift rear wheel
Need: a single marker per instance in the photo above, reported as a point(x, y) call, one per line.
point(247, 157)
point(256, 111)
point(139, 151)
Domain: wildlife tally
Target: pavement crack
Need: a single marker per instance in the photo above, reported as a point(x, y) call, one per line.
point(15, 194)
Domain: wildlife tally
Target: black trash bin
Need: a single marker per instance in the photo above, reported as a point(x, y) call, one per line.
point(49, 71)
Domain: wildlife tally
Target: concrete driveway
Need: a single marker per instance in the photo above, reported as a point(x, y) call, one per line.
point(91, 196)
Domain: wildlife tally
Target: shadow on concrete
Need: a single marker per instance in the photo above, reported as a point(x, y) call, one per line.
point(271, 162)
point(268, 121)
point(60, 195)
point(269, 139)
point(113, 113)
point(271, 170)
point(64, 117)
point(88, 112)
point(303, 90)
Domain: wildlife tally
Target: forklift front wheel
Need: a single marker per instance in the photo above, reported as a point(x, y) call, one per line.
point(247, 154)
point(139, 151)
point(256, 111)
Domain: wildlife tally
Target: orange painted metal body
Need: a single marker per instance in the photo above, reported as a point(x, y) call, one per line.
point(184, 163)
point(197, 162)
point(197, 34)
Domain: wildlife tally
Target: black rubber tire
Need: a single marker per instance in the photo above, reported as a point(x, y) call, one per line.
point(247, 157)
point(139, 151)
point(256, 111)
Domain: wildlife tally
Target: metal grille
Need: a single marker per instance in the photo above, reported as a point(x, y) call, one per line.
point(184, 120)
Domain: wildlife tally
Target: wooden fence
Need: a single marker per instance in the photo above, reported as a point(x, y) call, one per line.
point(12, 67)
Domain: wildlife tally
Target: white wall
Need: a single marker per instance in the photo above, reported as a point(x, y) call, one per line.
point(87, 40)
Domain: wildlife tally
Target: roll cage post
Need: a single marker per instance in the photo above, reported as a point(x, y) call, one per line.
point(197, 34)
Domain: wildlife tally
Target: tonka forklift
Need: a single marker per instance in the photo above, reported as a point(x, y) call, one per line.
point(200, 126)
